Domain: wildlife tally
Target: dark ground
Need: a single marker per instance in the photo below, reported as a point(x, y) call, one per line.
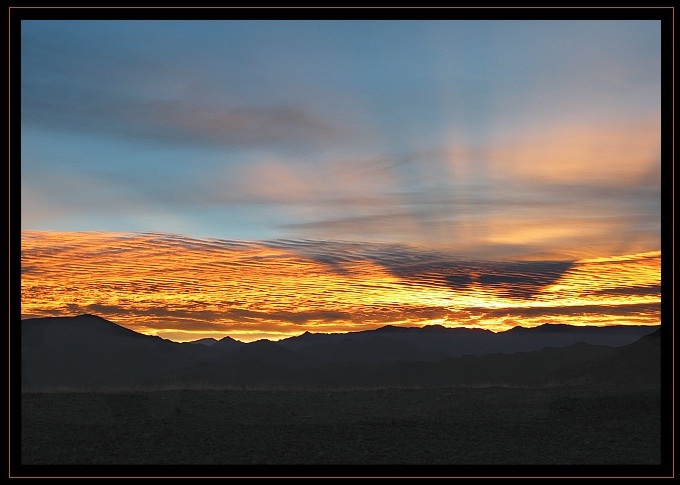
point(493, 425)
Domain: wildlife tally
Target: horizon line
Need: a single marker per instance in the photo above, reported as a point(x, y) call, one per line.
point(382, 327)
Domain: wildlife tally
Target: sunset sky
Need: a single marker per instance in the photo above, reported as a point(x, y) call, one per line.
point(260, 179)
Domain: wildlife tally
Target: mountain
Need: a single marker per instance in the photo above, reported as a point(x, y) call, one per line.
point(227, 343)
point(638, 364)
point(271, 353)
point(374, 349)
point(205, 341)
point(519, 368)
point(536, 368)
point(523, 339)
point(435, 342)
point(89, 350)
point(308, 338)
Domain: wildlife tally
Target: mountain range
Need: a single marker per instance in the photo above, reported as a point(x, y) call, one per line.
point(88, 350)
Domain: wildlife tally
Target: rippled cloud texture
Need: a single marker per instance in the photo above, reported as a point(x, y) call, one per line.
point(184, 289)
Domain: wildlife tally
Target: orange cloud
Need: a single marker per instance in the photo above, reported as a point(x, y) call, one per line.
point(571, 152)
point(191, 288)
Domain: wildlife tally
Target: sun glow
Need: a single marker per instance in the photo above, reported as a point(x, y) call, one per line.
point(185, 289)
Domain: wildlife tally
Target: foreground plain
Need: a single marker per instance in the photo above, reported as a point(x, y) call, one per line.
point(409, 426)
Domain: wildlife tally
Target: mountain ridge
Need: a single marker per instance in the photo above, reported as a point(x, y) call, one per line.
point(387, 328)
point(90, 350)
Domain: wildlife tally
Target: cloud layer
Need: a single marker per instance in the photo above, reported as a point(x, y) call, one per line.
point(186, 288)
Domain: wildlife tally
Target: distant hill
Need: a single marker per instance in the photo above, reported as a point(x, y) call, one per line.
point(89, 350)
point(536, 368)
point(519, 368)
point(636, 364)
point(205, 341)
point(227, 343)
point(372, 349)
point(435, 342)
point(271, 353)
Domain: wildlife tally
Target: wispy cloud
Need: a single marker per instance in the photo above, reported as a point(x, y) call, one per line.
point(175, 122)
point(137, 96)
point(579, 152)
point(472, 137)
point(380, 198)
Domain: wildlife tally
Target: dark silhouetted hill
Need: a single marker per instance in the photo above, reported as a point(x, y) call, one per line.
point(438, 342)
point(521, 368)
point(205, 341)
point(88, 350)
point(269, 352)
point(227, 343)
point(374, 349)
point(636, 364)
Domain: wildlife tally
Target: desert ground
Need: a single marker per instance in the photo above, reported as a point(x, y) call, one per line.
point(408, 426)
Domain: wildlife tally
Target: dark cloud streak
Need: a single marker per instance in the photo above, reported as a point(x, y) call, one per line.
point(101, 90)
point(571, 310)
point(176, 122)
point(515, 279)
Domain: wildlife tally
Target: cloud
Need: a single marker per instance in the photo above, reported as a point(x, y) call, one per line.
point(577, 152)
point(574, 311)
point(643, 290)
point(140, 96)
point(515, 279)
point(390, 200)
point(412, 197)
point(174, 122)
point(366, 225)
point(163, 282)
point(288, 316)
point(203, 131)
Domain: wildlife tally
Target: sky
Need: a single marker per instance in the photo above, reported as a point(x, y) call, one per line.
point(264, 178)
